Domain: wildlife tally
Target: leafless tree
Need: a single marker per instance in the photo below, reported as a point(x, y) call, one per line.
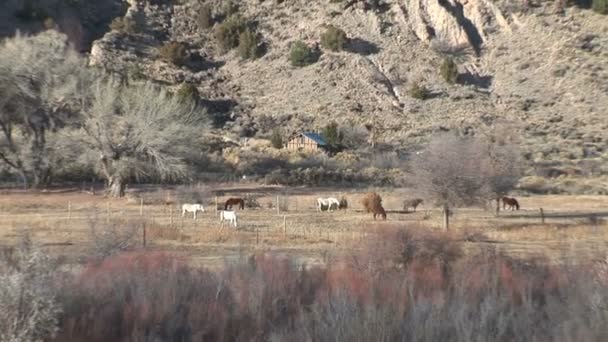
point(136, 131)
point(38, 76)
point(28, 309)
point(457, 171)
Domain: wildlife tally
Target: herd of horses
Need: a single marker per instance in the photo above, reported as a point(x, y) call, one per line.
point(372, 203)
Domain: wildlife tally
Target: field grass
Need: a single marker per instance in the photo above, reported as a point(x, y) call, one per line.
point(574, 228)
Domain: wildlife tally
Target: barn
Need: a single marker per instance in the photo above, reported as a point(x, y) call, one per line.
point(308, 142)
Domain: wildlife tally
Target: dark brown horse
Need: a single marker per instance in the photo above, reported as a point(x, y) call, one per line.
point(379, 211)
point(510, 202)
point(411, 203)
point(234, 201)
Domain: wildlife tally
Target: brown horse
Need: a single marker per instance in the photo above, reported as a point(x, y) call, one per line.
point(510, 202)
point(234, 201)
point(343, 203)
point(372, 202)
point(411, 203)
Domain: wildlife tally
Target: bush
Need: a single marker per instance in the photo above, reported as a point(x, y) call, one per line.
point(112, 237)
point(418, 91)
point(124, 25)
point(276, 139)
point(204, 18)
point(332, 136)
point(28, 307)
point(401, 284)
point(230, 7)
point(600, 6)
point(248, 45)
point(174, 52)
point(301, 55)
point(334, 39)
point(449, 71)
point(188, 92)
point(228, 33)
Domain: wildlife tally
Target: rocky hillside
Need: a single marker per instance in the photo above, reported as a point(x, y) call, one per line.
point(541, 73)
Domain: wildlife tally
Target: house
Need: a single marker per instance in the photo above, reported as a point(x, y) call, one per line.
point(308, 141)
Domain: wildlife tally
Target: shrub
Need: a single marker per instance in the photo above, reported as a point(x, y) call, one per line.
point(301, 55)
point(332, 136)
point(124, 25)
point(204, 18)
point(112, 237)
point(174, 52)
point(230, 7)
point(334, 39)
point(28, 307)
point(227, 34)
point(600, 6)
point(276, 139)
point(248, 45)
point(188, 92)
point(449, 71)
point(418, 91)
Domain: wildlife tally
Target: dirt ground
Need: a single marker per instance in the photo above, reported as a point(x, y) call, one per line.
point(574, 228)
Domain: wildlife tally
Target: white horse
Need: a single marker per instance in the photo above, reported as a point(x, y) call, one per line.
point(230, 216)
point(192, 208)
point(327, 202)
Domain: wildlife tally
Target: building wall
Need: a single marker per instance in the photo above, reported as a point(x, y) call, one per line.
point(302, 143)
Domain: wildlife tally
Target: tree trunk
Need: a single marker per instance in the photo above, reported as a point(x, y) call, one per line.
point(446, 217)
point(116, 187)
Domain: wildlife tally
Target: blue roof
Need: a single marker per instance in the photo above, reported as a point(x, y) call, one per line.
point(316, 137)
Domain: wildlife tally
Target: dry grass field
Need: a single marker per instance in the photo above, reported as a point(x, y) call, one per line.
point(574, 230)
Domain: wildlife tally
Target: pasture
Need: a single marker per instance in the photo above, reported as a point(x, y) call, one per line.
point(572, 229)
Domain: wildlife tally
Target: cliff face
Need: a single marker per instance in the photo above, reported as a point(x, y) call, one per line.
point(543, 74)
point(82, 21)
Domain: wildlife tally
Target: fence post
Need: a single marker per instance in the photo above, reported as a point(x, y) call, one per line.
point(257, 235)
point(171, 215)
point(284, 224)
point(143, 225)
point(542, 216)
point(69, 210)
point(108, 213)
point(141, 206)
point(215, 205)
point(278, 206)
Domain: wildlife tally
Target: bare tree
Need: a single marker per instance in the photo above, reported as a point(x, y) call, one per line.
point(456, 171)
point(28, 309)
point(38, 76)
point(136, 132)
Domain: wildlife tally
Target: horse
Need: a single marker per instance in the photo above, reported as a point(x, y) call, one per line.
point(372, 202)
point(343, 203)
point(229, 216)
point(234, 201)
point(510, 202)
point(192, 208)
point(379, 211)
point(327, 202)
point(411, 203)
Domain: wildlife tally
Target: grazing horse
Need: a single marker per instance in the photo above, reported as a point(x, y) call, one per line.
point(343, 203)
point(372, 202)
point(327, 202)
point(234, 201)
point(510, 202)
point(229, 216)
point(411, 203)
point(192, 208)
point(379, 211)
